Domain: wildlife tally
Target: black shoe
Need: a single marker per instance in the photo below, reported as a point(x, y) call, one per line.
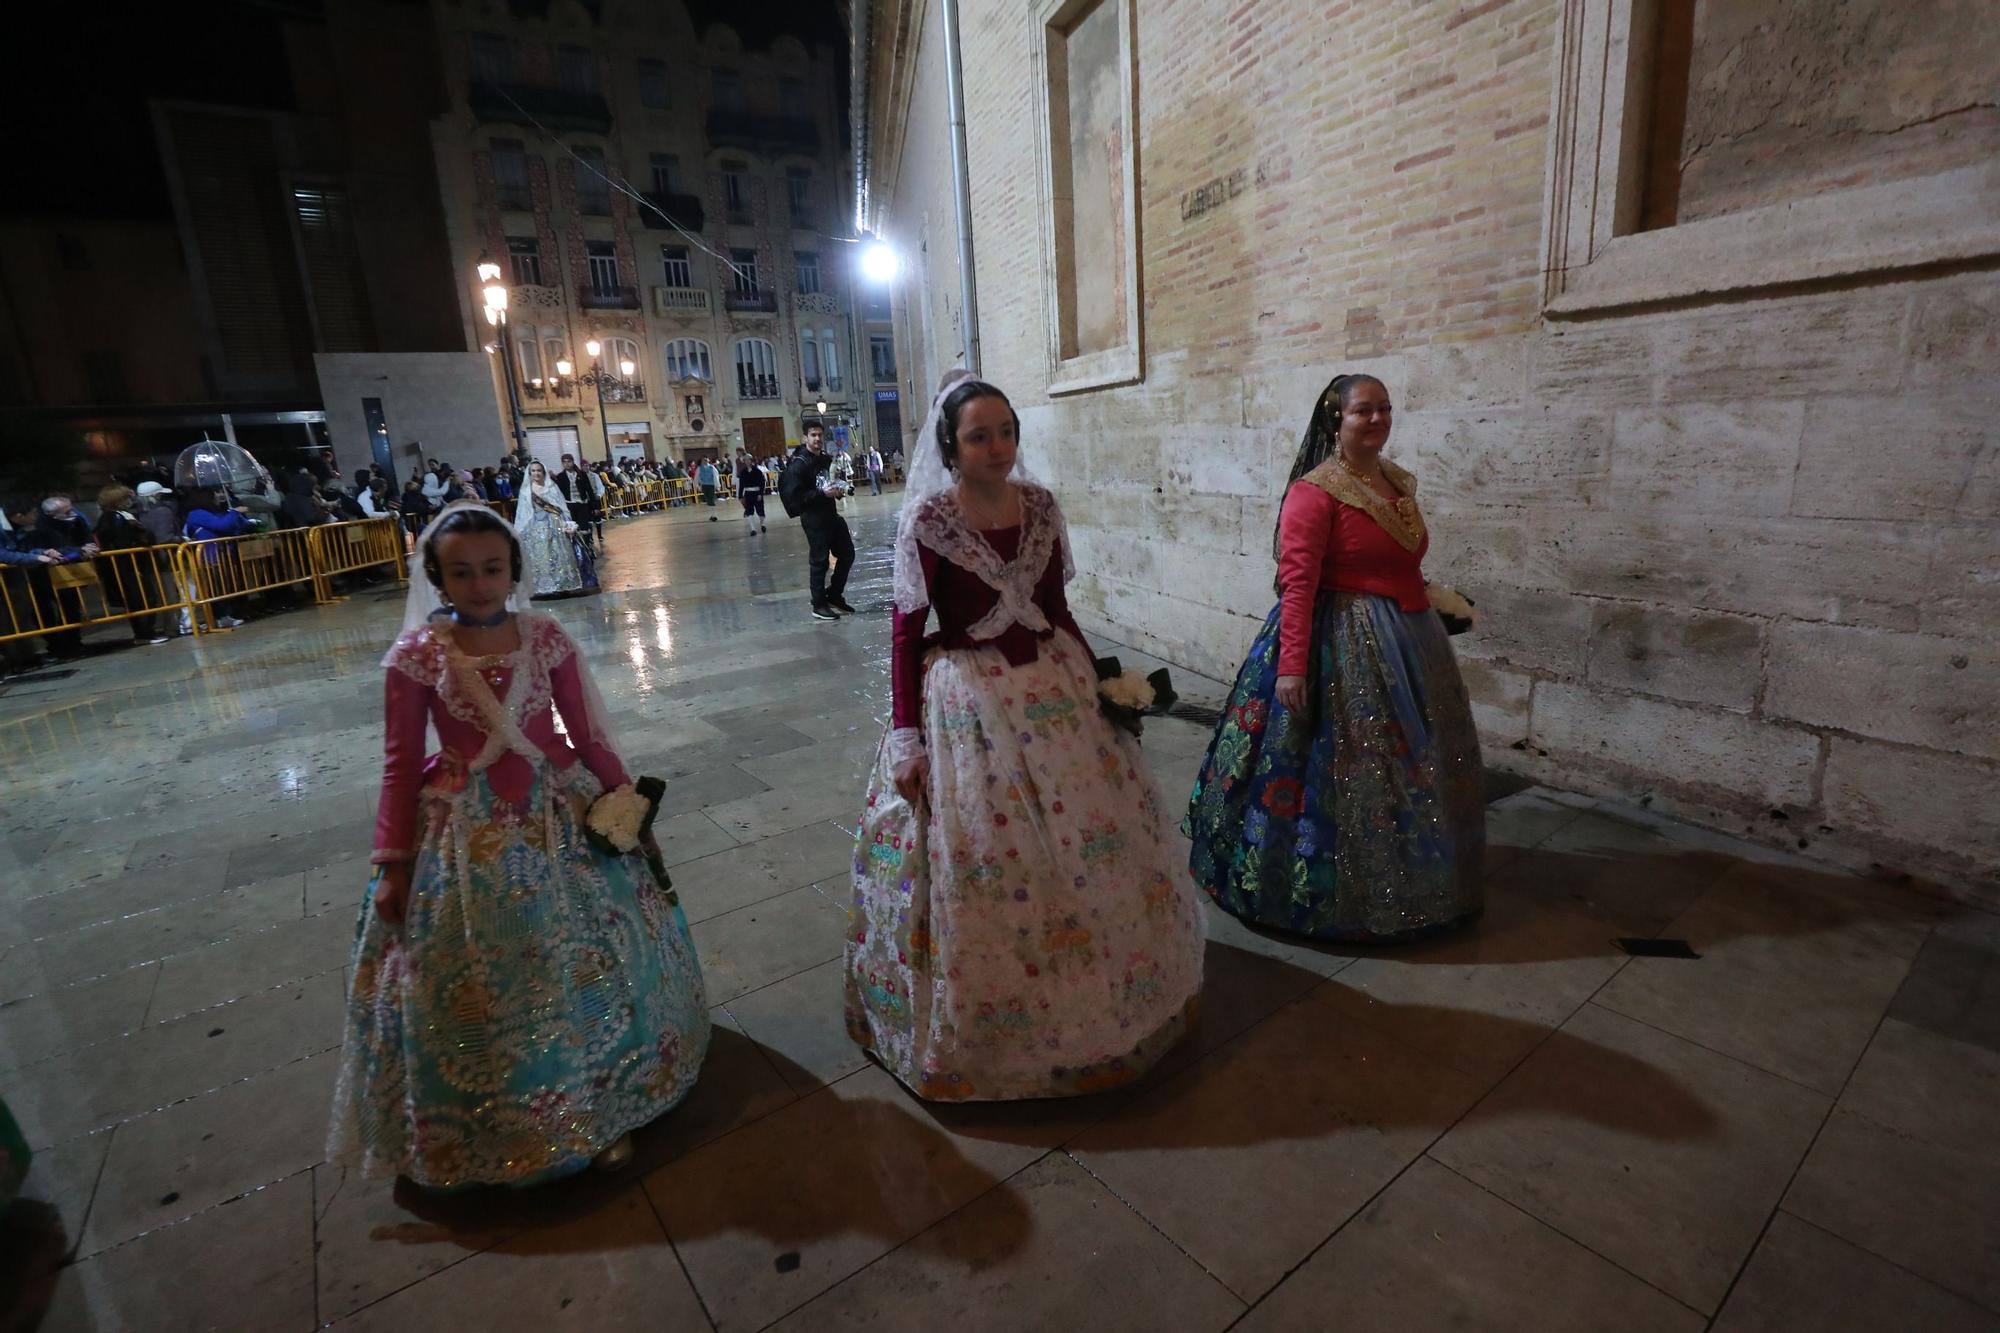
point(840, 604)
point(824, 613)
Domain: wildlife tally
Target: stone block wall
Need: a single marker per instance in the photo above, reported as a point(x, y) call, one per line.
point(1738, 556)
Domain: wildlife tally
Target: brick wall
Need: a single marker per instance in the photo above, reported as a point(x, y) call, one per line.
point(1737, 556)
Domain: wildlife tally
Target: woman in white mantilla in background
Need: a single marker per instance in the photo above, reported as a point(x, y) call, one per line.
point(1020, 927)
point(548, 537)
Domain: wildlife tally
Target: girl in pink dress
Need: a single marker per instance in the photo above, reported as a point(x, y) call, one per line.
point(520, 1001)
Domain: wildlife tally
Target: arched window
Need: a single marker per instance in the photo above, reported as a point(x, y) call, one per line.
point(829, 359)
point(529, 352)
point(554, 351)
point(809, 360)
point(687, 359)
point(619, 353)
point(756, 369)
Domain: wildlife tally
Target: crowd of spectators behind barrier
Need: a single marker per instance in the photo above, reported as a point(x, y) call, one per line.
point(145, 511)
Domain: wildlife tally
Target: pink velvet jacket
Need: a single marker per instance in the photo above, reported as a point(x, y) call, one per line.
point(494, 715)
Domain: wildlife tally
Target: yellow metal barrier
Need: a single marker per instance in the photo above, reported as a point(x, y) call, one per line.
point(224, 568)
point(110, 586)
point(342, 548)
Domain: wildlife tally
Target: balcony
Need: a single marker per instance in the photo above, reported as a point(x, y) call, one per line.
point(539, 298)
point(815, 303)
point(682, 302)
point(625, 391)
point(522, 103)
point(756, 386)
point(611, 298)
point(538, 396)
point(751, 303)
point(684, 209)
point(743, 129)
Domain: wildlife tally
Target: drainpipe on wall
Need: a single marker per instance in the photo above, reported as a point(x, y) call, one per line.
point(961, 180)
point(857, 106)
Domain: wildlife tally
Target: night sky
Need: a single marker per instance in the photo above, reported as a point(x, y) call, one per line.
point(77, 91)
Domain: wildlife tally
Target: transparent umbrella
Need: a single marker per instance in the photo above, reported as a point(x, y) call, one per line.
point(215, 463)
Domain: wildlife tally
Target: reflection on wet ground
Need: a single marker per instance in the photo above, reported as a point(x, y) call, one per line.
point(1516, 1127)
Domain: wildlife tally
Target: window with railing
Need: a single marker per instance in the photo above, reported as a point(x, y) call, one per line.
point(577, 69)
point(756, 369)
point(524, 258)
point(743, 272)
point(808, 265)
point(798, 193)
point(829, 360)
point(882, 353)
point(666, 173)
point(603, 256)
point(677, 266)
point(593, 187)
point(492, 58)
point(735, 190)
point(510, 175)
point(654, 92)
point(687, 359)
point(620, 352)
point(728, 90)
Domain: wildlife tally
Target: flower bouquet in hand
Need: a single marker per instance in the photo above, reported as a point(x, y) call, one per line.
point(620, 823)
point(1126, 698)
point(1456, 610)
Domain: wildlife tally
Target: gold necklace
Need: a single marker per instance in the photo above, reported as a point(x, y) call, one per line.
point(1400, 502)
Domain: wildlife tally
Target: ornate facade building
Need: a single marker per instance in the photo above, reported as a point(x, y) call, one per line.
point(675, 197)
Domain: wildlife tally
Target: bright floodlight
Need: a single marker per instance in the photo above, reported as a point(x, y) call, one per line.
point(879, 262)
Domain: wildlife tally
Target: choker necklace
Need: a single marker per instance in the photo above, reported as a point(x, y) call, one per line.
point(459, 617)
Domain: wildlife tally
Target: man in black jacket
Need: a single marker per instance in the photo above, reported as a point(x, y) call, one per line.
point(808, 493)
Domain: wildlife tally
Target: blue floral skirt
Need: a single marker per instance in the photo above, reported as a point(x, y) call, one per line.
point(1362, 816)
point(539, 999)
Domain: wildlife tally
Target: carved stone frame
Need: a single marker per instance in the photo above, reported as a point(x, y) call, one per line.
point(1595, 258)
point(1124, 364)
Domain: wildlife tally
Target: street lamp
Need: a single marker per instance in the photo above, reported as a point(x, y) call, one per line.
point(494, 293)
point(597, 377)
point(879, 262)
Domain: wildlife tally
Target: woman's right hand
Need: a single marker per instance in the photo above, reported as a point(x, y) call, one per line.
point(1292, 692)
point(913, 777)
point(392, 892)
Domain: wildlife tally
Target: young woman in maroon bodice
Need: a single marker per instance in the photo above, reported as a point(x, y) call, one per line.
point(1019, 927)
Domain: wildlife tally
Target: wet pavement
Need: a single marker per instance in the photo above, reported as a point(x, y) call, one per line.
point(1521, 1126)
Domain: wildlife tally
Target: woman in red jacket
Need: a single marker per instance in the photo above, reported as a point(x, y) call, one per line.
point(1341, 797)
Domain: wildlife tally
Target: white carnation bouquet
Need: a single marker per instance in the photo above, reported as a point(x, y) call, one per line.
point(620, 823)
point(1456, 610)
point(1128, 698)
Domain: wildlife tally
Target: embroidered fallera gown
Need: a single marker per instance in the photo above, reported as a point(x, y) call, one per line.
point(551, 556)
point(1024, 932)
point(1361, 817)
point(540, 998)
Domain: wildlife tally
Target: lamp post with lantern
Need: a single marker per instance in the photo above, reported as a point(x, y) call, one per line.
point(494, 292)
point(597, 377)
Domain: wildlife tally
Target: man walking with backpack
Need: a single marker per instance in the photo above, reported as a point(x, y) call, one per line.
point(810, 495)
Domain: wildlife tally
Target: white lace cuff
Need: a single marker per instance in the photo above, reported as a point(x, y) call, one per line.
point(905, 744)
